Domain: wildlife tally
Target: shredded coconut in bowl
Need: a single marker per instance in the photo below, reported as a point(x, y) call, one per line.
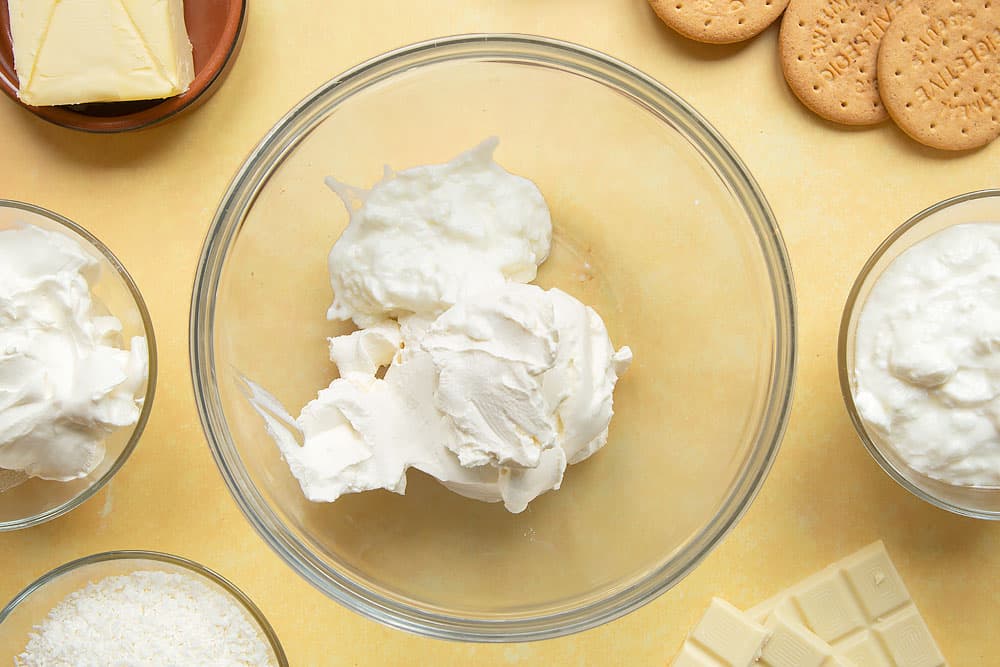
point(147, 618)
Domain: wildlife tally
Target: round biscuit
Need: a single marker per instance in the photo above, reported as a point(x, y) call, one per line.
point(939, 72)
point(718, 21)
point(828, 51)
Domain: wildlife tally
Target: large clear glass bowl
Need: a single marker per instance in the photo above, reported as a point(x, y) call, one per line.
point(30, 607)
point(978, 206)
point(28, 502)
point(658, 226)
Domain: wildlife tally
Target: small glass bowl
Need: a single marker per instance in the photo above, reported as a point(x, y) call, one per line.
point(30, 607)
point(978, 206)
point(26, 501)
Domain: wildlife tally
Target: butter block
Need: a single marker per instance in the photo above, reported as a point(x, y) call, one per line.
point(724, 637)
point(74, 51)
point(859, 608)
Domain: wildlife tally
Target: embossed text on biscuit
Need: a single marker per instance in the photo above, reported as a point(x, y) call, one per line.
point(861, 43)
point(981, 54)
point(717, 8)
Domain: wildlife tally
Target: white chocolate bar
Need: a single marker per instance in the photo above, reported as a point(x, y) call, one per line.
point(855, 613)
point(860, 609)
point(724, 637)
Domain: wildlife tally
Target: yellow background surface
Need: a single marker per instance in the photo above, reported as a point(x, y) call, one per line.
point(836, 193)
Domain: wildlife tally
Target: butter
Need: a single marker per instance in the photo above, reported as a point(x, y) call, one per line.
point(74, 51)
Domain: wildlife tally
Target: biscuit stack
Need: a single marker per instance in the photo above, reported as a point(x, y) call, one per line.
point(933, 66)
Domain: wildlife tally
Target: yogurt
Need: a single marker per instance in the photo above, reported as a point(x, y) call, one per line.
point(927, 356)
point(422, 238)
point(66, 380)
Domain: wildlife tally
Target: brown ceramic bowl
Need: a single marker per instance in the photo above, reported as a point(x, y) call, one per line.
point(215, 28)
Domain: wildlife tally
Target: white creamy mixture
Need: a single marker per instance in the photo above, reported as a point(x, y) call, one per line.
point(491, 386)
point(426, 236)
point(927, 365)
point(65, 381)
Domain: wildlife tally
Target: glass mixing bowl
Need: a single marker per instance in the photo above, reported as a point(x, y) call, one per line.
point(657, 225)
point(30, 607)
point(27, 502)
point(979, 206)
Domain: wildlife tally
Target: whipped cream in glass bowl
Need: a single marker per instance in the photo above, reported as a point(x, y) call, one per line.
point(77, 365)
point(918, 354)
point(654, 224)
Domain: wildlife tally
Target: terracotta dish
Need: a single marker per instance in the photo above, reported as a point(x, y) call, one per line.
point(216, 31)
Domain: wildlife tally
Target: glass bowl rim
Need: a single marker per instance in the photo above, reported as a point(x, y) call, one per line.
point(157, 556)
point(147, 325)
point(654, 98)
point(846, 331)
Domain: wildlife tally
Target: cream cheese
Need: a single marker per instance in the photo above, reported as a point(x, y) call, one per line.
point(581, 383)
point(65, 380)
point(490, 353)
point(366, 350)
point(512, 394)
point(363, 433)
point(927, 356)
point(493, 399)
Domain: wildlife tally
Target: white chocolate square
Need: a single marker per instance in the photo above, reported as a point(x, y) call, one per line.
point(865, 650)
point(724, 637)
point(792, 645)
point(830, 608)
point(877, 584)
point(691, 656)
point(909, 641)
